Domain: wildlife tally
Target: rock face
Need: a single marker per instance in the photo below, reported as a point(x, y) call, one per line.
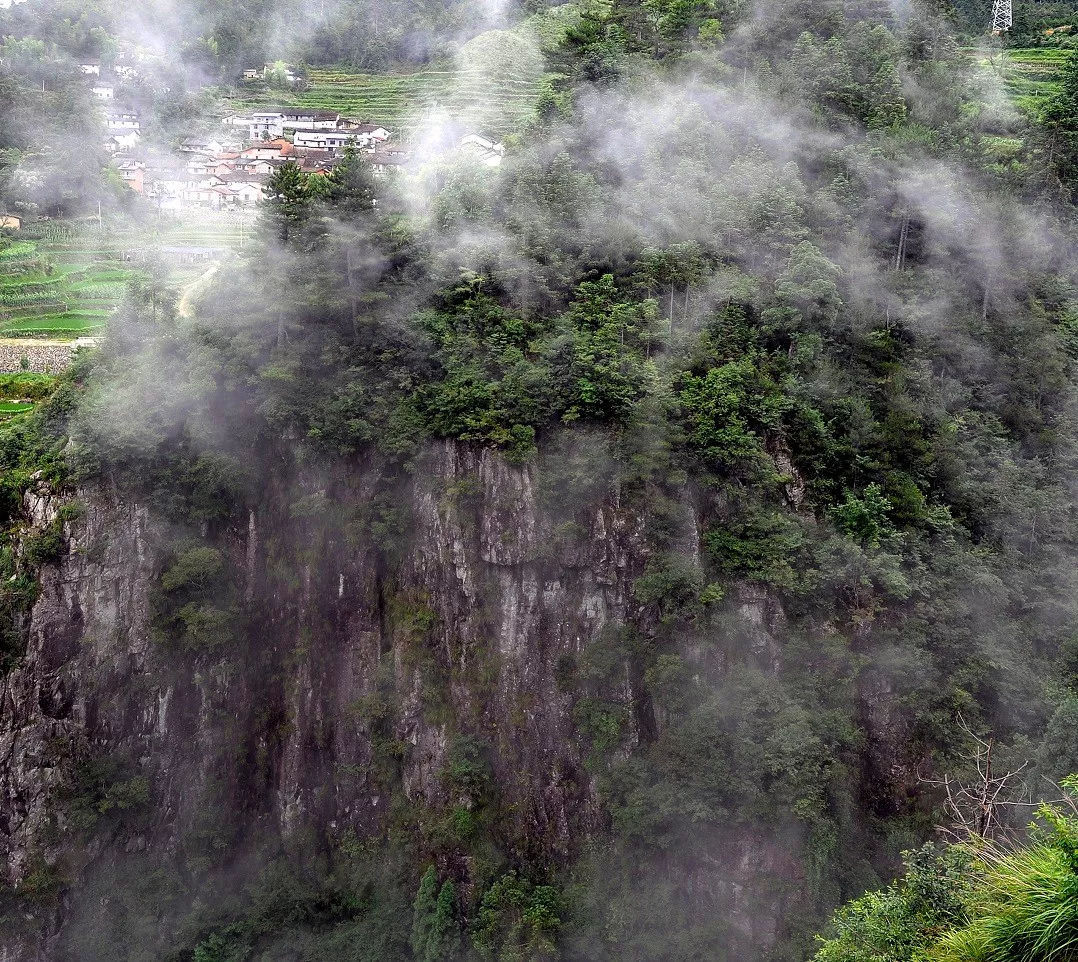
point(467, 612)
point(42, 357)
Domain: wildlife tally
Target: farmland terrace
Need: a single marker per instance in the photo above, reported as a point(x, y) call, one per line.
point(492, 86)
point(61, 280)
point(1029, 74)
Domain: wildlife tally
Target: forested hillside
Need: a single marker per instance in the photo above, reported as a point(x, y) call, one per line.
point(626, 552)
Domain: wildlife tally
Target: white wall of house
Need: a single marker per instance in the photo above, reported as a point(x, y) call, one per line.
point(330, 140)
point(265, 123)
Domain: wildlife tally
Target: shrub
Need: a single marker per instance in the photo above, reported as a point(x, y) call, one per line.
point(468, 770)
point(672, 584)
point(45, 546)
point(518, 921)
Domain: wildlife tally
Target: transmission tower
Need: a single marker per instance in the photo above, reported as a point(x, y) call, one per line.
point(1001, 16)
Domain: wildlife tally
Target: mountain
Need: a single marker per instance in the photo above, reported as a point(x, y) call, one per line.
point(622, 550)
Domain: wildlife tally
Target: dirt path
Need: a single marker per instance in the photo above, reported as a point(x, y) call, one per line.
point(46, 341)
point(189, 291)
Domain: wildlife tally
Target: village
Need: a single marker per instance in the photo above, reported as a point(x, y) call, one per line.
point(229, 168)
point(192, 187)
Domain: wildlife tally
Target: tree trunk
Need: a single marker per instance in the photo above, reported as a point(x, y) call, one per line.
point(903, 238)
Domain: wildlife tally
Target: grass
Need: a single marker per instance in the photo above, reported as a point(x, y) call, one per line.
point(8, 408)
point(1029, 74)
point(1027, 911)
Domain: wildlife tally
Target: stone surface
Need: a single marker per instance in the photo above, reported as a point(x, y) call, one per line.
point(481, 585)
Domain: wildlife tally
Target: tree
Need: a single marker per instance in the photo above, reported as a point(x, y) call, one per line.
point(350, 188)
point(518, 921)
point(675, 268)
point(287, 204)
point(806, 292)
point(726, 412)
point(435, 930)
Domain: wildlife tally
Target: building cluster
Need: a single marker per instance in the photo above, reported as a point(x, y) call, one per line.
point(123, 125)
point(317, 129)
point(232, 171)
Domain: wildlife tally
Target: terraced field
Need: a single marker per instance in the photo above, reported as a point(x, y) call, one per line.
point(491, 87)
point(63, 279)
point(60, 281)
point(1029, 74)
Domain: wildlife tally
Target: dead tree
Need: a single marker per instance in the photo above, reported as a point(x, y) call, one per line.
point(976, 804)
point(903, 240)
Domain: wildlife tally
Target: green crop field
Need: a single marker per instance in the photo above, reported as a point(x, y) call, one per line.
point(8, 408)
point(25, 386)
point(492, 87)
point(1029, 74)
point(62, 279)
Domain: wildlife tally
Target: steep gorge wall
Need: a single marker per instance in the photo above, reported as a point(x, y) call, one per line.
point(470, 612)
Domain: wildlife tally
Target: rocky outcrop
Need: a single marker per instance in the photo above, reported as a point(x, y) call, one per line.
point(466, 612)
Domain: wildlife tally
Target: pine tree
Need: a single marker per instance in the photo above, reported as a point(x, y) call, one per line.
point(435, 930)
point(287, 201)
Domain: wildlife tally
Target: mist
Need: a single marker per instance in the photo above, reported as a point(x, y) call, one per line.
point(607, 552)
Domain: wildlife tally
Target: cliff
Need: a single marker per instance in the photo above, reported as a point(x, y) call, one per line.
point(374, 626)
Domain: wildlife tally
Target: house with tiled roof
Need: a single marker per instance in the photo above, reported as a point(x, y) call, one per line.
point(309, 119)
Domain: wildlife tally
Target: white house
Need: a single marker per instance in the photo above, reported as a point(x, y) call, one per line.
point(300, 119)
point(122, 121)
point(387, 161)
point(201, 167)
point(240, 194)
point(483, 151)
point(255, 166)
point(264, 122)
point(91, 68)
point(200, 145)
point(333, 139)
point(372, 132)
point(251, 73)
point(103, 91)
point(123, 140)
point(173, 182)
point(246, 193)
point(204, 195)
